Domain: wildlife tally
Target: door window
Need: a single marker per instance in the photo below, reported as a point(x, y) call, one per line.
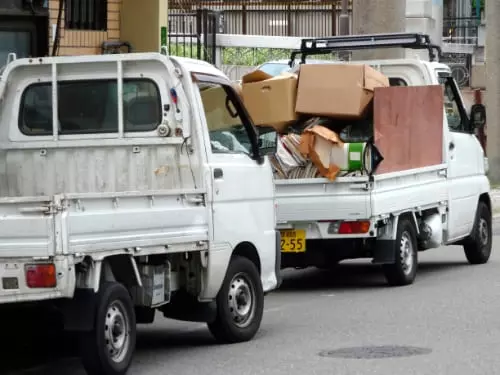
point(455, 113)
point(227, 132)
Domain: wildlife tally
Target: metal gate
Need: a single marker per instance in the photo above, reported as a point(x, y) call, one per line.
point(193, 34)
point(460, 65)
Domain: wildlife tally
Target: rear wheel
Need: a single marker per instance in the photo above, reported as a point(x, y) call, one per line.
point(109, 347)
point(404, 270)
point(240, 303)
point(478, 246)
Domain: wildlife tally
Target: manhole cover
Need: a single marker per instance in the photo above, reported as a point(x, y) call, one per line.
point(375, 352)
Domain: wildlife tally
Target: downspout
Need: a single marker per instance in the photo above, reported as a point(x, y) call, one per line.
point(57, 37)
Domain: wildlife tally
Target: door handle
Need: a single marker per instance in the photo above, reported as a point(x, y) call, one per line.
point(218, 173)
point(452, 146)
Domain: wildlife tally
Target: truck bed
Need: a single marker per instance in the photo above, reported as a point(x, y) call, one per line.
point(355, 198)
point(317, 199)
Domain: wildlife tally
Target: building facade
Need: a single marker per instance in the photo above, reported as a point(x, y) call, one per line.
point(84, 25)
point(74, 27)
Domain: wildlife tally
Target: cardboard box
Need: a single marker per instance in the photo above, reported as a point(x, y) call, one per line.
point(270, 100)
point(317, 144)
point(337, 90)
point(214, 103)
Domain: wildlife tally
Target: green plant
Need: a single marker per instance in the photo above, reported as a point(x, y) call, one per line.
point(481, 5)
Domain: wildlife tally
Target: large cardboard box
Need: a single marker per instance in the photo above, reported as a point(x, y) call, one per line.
point(270, 100)
point(337, 90)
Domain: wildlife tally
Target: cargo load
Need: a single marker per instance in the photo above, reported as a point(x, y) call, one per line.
point(340, 120)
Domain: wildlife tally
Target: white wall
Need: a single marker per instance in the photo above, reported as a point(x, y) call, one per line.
point(425, 16)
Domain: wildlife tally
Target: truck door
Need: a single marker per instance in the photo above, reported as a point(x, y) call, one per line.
point(242, 194)
point(463, 154)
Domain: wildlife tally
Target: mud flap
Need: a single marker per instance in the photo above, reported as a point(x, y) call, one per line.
point(384, 252)
point(79, 312)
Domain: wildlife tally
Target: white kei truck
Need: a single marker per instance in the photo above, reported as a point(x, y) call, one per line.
point(122, 193)
point(390, 217)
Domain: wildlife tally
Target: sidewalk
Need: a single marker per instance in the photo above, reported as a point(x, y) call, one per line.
point(495, 201)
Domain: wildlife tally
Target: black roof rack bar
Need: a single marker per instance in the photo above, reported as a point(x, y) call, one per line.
point(317, 46)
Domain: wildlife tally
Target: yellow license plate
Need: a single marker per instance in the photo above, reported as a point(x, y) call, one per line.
point(293, 241)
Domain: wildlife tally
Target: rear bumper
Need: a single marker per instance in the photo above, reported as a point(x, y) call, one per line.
point(320, 253)
point(322, 230)
point(13, 288)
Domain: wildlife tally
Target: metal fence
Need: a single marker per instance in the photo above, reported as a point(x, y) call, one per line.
point(460, 65)
point(271, 18)
point(192, 34)
point(462, 30)
point(276, 18)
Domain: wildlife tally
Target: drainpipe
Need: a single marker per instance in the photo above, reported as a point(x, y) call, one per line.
point(344, 28)
point(344, 19)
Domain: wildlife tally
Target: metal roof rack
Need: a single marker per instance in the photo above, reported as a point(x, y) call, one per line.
point(318, 46)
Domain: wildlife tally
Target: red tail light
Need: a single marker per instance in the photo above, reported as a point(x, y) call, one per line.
point(354, 227)
point(41, 275)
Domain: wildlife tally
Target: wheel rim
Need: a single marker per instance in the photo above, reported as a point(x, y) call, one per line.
point(241, 300)
point(406, 252)
point(117, 332)
point(484, 235)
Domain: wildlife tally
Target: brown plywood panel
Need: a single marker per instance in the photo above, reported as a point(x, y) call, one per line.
point(408, 126)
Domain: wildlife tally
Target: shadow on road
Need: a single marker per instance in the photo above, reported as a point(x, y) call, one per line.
point(358, 276)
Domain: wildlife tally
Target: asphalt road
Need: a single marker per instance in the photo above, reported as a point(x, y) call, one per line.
point(448, 322)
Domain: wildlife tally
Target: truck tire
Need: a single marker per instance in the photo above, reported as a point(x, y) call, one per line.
point(478, 246)
point(404, 270)
point(109, 347)
point(240, 303)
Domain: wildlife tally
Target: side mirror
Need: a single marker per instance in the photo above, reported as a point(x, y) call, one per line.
point(478, 116)
point(268, 140)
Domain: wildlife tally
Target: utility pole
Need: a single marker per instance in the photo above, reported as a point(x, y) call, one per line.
point(492, 62)
point(375, 17)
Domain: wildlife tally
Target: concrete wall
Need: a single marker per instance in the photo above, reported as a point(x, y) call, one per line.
point(141, 23)
point(425, 16)
point(478, 76)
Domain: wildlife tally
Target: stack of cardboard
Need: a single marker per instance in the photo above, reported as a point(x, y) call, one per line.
point(316, 114)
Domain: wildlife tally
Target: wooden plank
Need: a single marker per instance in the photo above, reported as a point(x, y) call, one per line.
point(408, 126)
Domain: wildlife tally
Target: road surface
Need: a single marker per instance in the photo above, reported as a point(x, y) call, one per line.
point(347, 322)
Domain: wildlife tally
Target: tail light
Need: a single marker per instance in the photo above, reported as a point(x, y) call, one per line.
point(354, 227)
point(41, 275)
point(349, 227)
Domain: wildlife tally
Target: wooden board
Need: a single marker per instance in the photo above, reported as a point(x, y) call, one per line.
point(408, 126)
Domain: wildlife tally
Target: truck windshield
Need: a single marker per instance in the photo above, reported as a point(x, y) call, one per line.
point(225, 125)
